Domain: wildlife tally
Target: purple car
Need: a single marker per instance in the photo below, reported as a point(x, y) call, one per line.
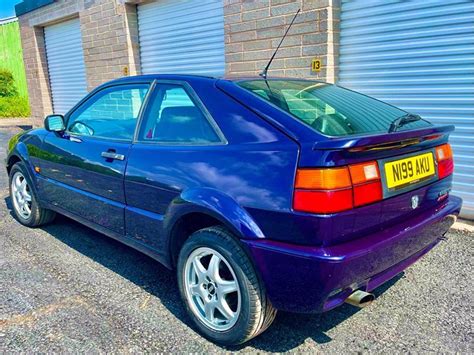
point(263, 195)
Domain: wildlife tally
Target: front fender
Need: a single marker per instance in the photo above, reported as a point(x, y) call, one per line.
point(20, 152)
point(217, 205)
point(23, 147)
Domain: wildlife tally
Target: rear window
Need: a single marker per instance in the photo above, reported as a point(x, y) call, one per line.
point(329, 109)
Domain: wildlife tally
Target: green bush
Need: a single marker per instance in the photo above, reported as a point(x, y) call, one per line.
point(15, 106)
point(7, 84)
point(11, 105)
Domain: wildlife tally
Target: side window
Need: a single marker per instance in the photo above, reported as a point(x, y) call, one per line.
point(174, 117)
point(110, 113)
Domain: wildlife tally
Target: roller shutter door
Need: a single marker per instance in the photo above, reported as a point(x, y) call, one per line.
point(418, 55)
point(67, 73)
point(182, 37)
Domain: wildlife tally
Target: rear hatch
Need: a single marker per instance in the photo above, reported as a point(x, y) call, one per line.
point(392, 178)
point(363, 165)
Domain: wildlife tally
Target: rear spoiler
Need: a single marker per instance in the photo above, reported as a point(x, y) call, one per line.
point(384, 141)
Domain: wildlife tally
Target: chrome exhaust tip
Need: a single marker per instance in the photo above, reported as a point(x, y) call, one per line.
point(360, 298)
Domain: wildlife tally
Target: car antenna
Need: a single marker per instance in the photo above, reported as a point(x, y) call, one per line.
point(263, 74)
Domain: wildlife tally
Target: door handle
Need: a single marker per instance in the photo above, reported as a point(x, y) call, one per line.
point(75, 139)
point(112, 155)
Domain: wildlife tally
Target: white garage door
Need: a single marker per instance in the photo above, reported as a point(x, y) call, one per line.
point(182, 37)
point(67, 73)
point(418, 55)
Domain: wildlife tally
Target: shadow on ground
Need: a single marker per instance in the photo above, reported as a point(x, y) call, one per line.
point(287, 332)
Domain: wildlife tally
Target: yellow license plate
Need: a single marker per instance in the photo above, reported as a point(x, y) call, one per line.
point(409, 170)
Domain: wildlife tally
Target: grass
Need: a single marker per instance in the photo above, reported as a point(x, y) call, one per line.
point(14, 106)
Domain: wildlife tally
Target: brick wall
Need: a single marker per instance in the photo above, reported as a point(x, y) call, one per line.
point(253, 29)
point(110, 41)
point(34, 57)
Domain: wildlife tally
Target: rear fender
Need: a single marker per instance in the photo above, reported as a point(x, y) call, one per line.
point(217, 205)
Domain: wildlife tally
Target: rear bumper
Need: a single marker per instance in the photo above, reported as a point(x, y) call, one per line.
point(316, 279)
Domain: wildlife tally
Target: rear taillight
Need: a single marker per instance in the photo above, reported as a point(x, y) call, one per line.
point(323, 190)
point(322, 201)
point(444, 157)
point(333, 190)
point(366, 183)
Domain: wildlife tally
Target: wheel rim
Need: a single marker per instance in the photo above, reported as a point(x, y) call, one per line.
point(21, 195)
point(212, 289)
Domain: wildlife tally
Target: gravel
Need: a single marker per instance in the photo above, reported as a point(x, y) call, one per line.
point(64, 287)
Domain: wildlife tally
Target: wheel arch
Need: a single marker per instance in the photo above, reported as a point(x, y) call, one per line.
point(200, 208)
point(12, 160)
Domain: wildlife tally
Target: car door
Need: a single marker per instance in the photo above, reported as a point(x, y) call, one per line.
point(176, 131)
point(83, 168)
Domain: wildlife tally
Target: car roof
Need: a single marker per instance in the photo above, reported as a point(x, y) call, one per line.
point(195, 78)
point(151, 77)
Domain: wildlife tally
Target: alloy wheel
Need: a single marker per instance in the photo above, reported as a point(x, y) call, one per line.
point(21, 195)
point(212, 289)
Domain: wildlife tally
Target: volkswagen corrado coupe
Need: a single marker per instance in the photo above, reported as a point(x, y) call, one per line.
point(262, 194)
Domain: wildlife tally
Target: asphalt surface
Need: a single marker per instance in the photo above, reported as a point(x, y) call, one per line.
point(66, 288)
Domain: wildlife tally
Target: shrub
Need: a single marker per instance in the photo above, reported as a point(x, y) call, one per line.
point(15, 106)
point(7, 84)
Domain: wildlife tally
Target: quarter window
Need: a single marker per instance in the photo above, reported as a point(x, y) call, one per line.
point(110, 113)
point(174, 117)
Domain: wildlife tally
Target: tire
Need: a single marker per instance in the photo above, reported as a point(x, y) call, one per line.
point(253, 312)
point(37, 216)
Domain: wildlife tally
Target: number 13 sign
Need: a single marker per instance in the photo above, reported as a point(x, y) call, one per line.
point(316, 65)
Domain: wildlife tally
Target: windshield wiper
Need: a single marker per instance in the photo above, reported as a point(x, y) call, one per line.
point(403, 120)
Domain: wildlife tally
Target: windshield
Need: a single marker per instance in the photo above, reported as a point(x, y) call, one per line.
point(329, 109)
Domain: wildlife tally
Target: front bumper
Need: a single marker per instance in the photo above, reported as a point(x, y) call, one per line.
point(316, 279)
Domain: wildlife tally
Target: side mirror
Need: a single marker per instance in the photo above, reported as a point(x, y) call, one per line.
point(54, 123)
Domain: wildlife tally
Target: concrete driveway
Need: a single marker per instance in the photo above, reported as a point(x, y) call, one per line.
point(66, 288)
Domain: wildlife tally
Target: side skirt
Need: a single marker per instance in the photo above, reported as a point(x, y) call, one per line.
point(133, 243)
